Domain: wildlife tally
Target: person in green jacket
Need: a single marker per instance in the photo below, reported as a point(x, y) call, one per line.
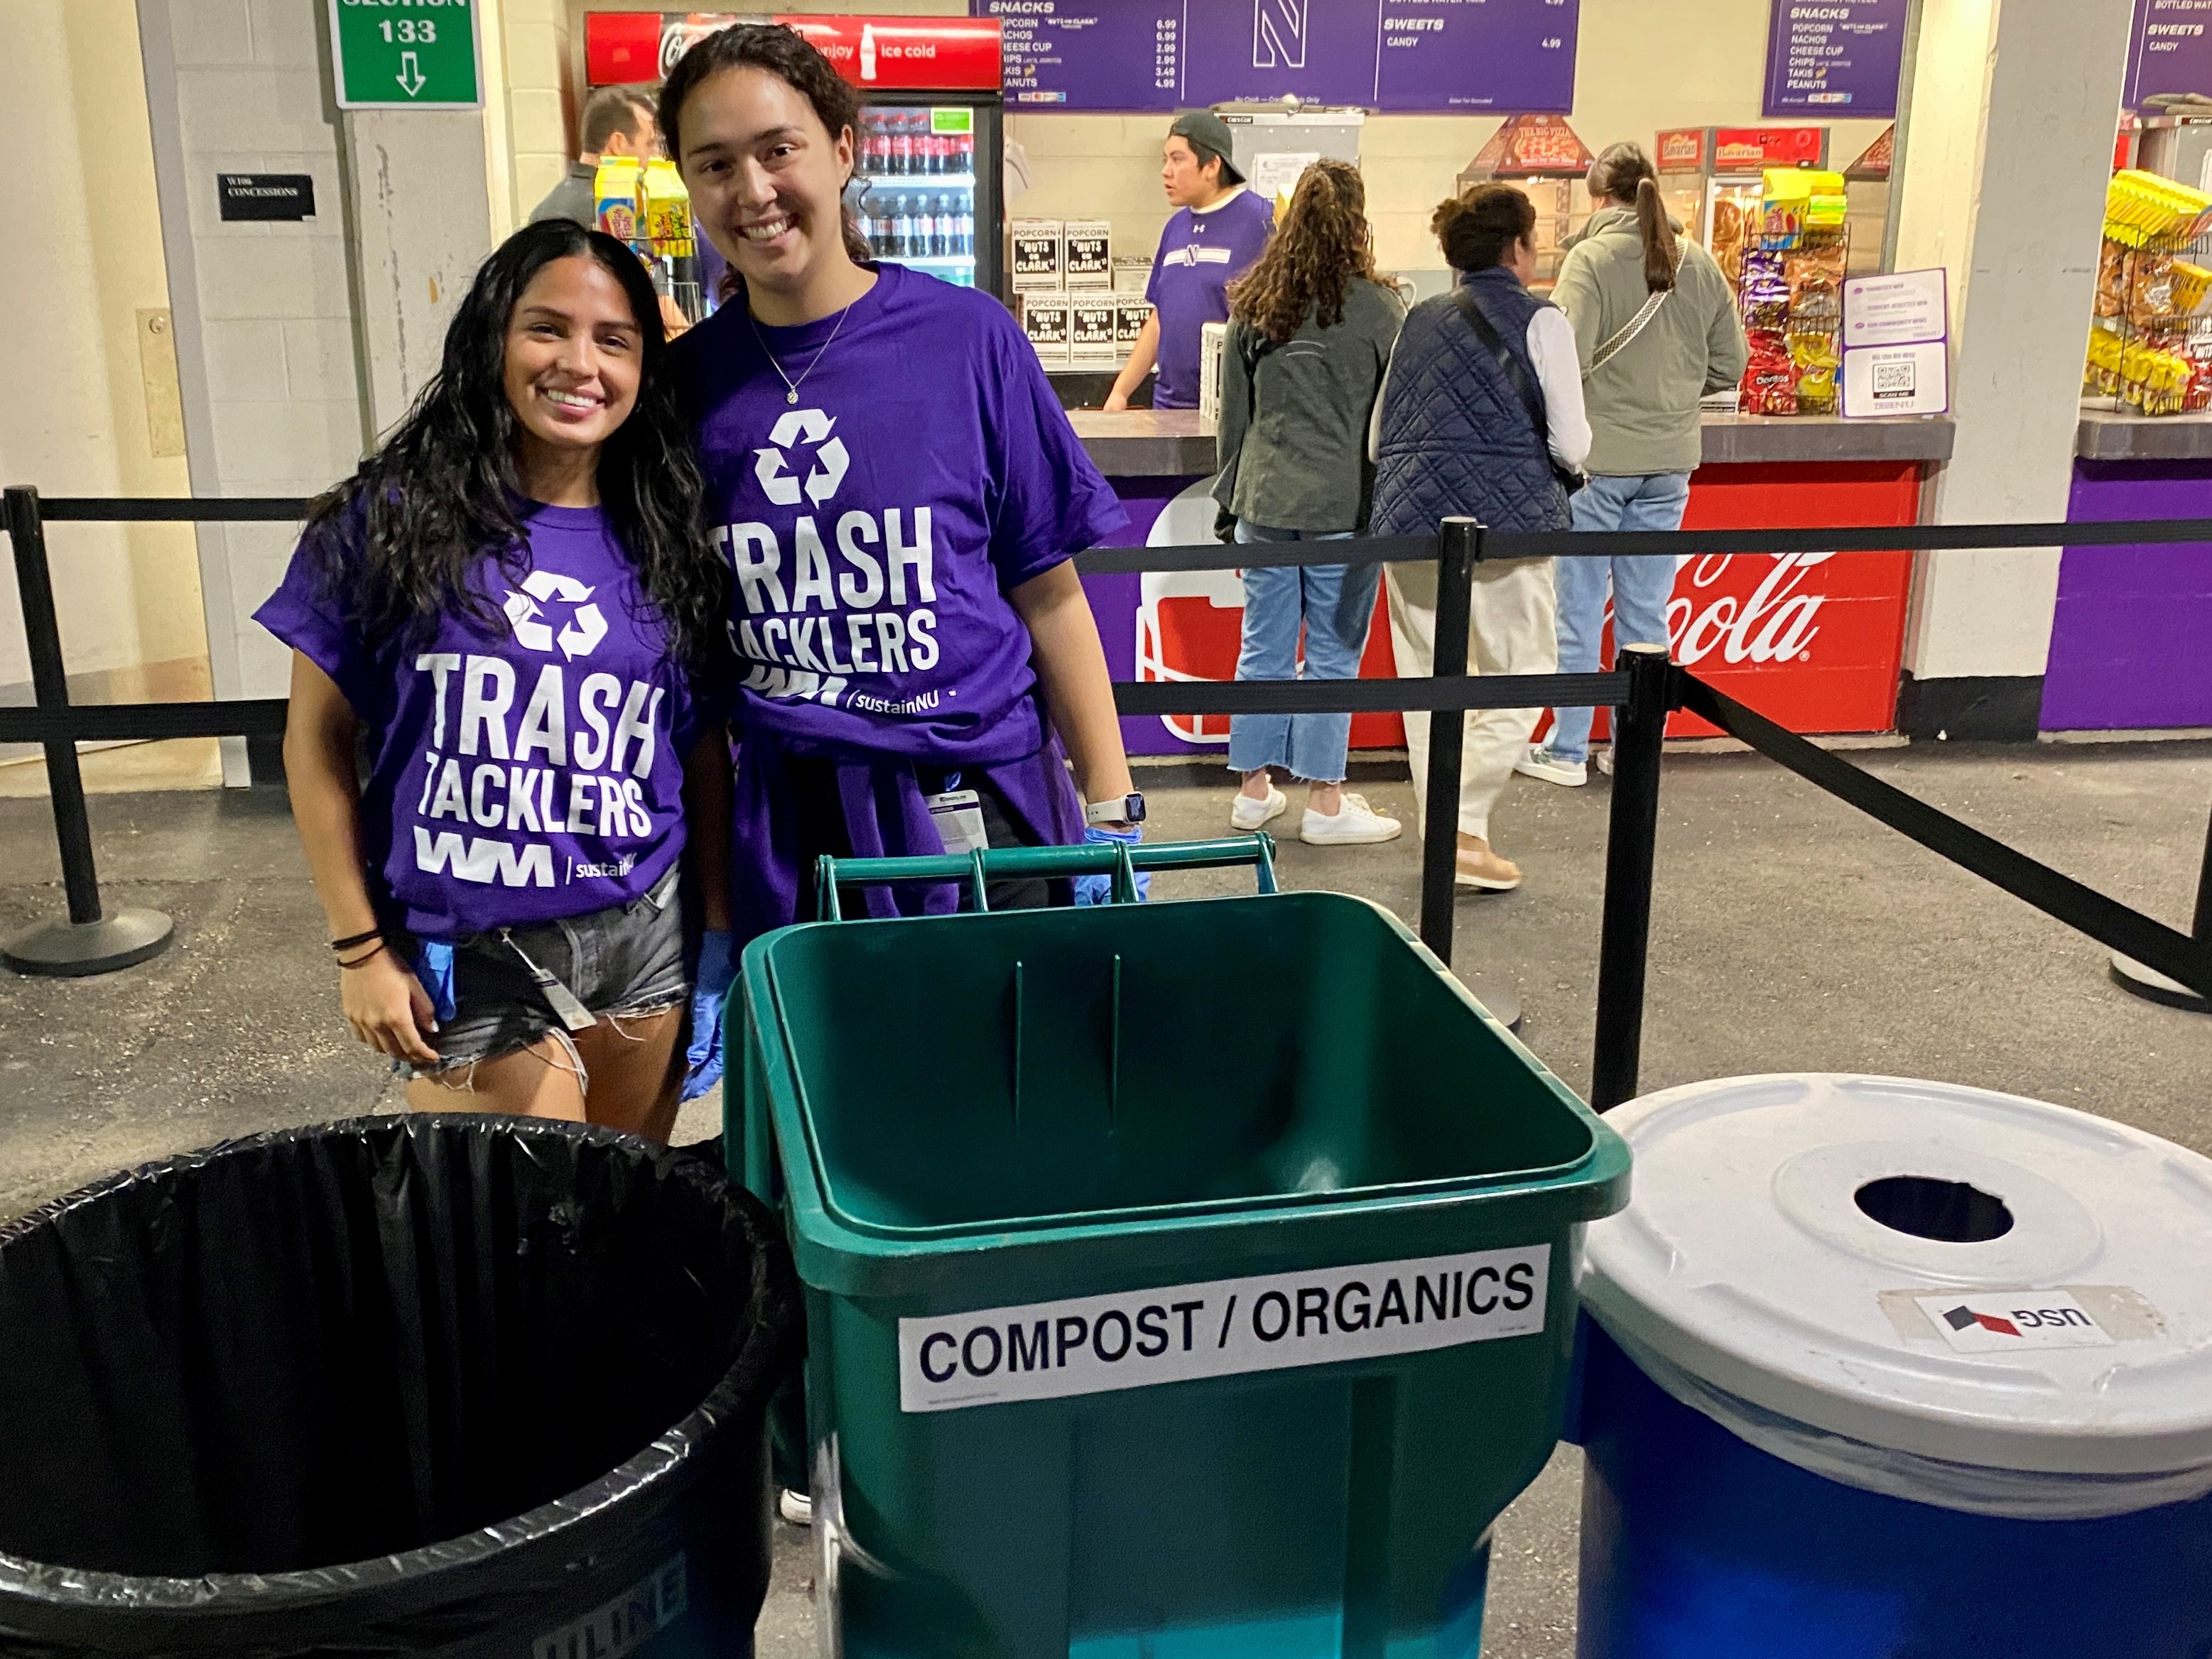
point(1311, 330)
point(1657, 329)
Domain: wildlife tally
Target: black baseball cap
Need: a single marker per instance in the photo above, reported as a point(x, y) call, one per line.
point(1208, 132)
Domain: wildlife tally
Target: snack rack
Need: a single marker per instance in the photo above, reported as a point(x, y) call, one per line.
point(1794, 255)
point(2150, 348)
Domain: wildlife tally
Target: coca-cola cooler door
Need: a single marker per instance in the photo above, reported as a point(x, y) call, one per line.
point(926, 186)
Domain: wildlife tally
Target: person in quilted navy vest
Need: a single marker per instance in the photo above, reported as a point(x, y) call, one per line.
point(1467, 426)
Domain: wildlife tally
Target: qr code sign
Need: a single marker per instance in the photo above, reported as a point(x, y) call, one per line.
point(1894, 380)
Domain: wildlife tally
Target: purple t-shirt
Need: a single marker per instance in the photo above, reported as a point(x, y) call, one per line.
point(519, 774)
point(1200, 254)
point(875, 526)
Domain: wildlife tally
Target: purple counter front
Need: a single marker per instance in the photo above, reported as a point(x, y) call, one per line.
point(2131, 644)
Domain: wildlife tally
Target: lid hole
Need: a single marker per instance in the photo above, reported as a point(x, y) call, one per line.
point(1950, 1212)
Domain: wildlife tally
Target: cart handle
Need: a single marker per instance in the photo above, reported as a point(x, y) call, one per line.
point(1119, 861)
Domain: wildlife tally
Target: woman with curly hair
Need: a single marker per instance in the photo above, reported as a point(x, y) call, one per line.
point(1310, 332)
point(514, 604)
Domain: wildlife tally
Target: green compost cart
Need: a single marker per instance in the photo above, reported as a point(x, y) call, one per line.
point(1183, 1280)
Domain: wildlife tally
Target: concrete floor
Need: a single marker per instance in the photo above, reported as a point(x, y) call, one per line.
point(1789, 933)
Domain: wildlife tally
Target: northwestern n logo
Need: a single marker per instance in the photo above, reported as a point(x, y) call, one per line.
point(1279, 33)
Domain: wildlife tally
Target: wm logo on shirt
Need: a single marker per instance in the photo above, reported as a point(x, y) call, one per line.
point(484, 861)
point(1279, 33)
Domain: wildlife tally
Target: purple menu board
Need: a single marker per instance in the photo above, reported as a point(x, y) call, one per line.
point(1509, 56)
point(1516, 57)
point(1837, 57)
point(2169, 49)
point(1090, 54)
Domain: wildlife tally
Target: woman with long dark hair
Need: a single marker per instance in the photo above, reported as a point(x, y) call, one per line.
point(1656, 329)
point(512, 608)
point(900, 496)
point(1310, 329)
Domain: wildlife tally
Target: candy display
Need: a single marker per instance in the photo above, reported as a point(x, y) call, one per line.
point(2148, 350)
point(1792, 300)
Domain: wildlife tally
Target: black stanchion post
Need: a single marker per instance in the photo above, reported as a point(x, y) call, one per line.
point(1639, 731)
point(2155, 986)
point(89, 942)
point(1459, 550)
point(2202, 929)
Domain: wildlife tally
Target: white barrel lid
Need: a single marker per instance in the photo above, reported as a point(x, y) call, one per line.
point(2077, 1341)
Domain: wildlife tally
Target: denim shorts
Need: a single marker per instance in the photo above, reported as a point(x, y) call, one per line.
point(628, 961)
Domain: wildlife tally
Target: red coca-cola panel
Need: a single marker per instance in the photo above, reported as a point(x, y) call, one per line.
point(1813, 641)
point(1197, 638)
point(908, 54)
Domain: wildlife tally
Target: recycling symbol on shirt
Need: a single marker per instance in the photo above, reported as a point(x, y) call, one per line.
point(771, 467)
point(585, 627)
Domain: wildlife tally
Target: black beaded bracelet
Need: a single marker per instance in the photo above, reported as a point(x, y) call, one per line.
point(352, 939)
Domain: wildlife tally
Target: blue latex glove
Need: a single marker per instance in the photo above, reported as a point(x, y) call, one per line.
point(710, 990)
point(1099, 889)
point(434, 966)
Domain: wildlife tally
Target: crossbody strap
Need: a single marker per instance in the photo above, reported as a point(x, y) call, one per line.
point(1626, 337)
point(1532, 398)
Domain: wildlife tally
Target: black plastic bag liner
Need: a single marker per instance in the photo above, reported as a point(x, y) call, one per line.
point(453, 1385)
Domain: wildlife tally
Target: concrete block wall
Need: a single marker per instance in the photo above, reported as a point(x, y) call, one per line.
point(265, 313)
point(543, 89)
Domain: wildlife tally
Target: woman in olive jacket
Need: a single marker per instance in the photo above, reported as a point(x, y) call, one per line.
point(1657, 329)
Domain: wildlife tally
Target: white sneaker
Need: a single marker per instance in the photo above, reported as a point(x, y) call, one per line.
point(1249, 814)
point(796, 1507)
point(1353, 824)
point(1543, 763)
point(1605, 761)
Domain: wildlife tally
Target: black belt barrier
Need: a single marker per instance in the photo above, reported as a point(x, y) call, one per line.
point(1644, 689)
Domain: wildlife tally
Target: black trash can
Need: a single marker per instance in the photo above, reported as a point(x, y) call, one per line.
point(455, 1385)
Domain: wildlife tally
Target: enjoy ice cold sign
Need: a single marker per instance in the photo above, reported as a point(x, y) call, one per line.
point(411, 54)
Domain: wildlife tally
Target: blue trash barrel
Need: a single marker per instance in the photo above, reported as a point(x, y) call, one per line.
point(1874, 1368)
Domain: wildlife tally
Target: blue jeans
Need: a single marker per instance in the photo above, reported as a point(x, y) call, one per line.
point(1641, 586)
point(1336, 603)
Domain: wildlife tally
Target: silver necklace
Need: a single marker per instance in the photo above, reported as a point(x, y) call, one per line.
point(790, 386)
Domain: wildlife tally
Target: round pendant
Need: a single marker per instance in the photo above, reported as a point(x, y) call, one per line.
point(794, 396)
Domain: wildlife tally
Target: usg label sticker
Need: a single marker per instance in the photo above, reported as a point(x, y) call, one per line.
point(1095, 1344)
point(2012, 1320)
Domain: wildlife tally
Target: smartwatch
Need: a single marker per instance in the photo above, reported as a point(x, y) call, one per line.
point(1129, 809)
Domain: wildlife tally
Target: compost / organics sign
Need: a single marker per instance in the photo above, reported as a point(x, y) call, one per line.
point(1095, 1344)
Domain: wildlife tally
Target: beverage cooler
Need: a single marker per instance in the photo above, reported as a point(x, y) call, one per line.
point(921, 198)
point(927, 184)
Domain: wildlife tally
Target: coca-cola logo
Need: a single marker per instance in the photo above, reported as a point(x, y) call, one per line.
point(1774, 623)
point(679, 34)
